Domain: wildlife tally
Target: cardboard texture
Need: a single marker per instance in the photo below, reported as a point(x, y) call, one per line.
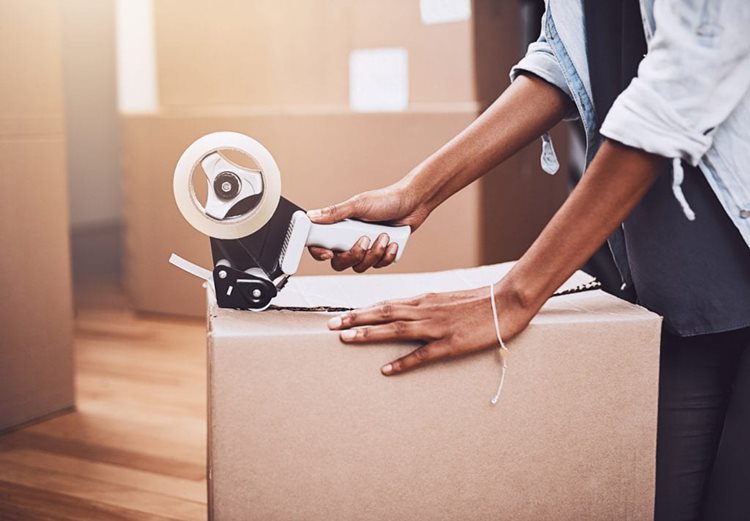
point(287, 53)
point(304, 427)
point(36, 348)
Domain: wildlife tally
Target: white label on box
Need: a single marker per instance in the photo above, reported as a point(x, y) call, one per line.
point(444, 11)
point(136, 56)
point(379, 80)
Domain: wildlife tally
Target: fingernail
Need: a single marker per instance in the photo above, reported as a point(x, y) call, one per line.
point(335, 323)
point(387, 369)
point(327, 255)
point(314, 214)
point(348, 334)
point(365, 243)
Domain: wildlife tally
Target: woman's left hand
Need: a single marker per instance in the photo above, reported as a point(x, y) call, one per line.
point(449, 324)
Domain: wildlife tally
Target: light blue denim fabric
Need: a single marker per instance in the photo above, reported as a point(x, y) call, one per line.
point(690, 100)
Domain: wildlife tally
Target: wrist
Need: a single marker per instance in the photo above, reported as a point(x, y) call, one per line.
point(517, 296)
point(426, 183)
point(417, 188)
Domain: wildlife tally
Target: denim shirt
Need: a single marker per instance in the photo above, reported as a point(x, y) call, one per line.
point(690, 101)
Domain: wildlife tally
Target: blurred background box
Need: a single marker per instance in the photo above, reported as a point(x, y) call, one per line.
point(317, 433)
point(290, 53)
point(284, 73)
point(36, 352)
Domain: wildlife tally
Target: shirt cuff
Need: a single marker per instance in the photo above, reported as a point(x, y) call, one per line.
point(641, 118)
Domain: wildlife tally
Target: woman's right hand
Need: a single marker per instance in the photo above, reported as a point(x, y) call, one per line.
point(394, 205)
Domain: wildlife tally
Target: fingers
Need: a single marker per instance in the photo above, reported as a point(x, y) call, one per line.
point(337, 212)
point(374, 254)
point(388, 257)
point(347, 259)
point(392, 331)
point(397, 320)
point(359, 258)
point(386, 312)
point(420, 356)
point(321, 254)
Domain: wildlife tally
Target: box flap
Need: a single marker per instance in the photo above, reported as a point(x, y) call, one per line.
point(365, 290)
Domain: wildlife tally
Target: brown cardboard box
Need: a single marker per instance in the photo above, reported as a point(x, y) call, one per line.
point(36, 348)
point(291, 53)
point(304, 427)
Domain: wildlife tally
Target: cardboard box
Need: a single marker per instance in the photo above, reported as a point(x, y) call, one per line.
point(304, 427)
point(281, 54)
point(32, 94)
point(36, 346)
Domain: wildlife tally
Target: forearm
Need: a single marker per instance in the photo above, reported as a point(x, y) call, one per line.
point(616, 181)
point(527, 109)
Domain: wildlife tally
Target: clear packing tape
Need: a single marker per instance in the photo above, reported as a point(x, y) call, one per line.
point(195, 213)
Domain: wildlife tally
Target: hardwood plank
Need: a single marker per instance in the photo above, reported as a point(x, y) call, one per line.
point(138, 479)
point(101, 492)
point(135, 448)
point(111, 455)
point(155, 416)
point(122, 433)
point(21, 503)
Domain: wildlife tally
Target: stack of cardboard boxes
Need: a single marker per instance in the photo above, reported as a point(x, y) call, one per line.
point(347, 96)
point(36, 351)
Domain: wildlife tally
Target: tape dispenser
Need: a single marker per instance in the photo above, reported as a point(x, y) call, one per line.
point(257, 236)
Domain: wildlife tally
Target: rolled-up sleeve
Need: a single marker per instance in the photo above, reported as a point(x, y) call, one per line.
point(696, 72)
point(540, 61)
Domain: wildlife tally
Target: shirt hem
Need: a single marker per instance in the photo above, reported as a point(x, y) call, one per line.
point(709, 331)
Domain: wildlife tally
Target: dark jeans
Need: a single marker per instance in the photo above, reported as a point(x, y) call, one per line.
point(703, 445)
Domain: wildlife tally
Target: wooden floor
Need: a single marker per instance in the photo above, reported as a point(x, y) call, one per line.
point(135, 447)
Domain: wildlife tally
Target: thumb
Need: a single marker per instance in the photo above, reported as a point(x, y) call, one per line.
point(333, 214)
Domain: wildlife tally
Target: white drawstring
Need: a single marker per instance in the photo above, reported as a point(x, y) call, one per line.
point(678, 175)
point(503, 365)
point(550, 164)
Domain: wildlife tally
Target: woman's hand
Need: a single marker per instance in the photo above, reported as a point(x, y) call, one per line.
point(449, 324)
point(395, 205)
point(527, 109)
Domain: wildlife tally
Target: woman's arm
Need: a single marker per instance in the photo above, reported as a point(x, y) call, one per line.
point(617, 179)
point(456, 323)
point(527, 109)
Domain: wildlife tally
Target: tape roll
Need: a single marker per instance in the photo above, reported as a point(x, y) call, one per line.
point(193, 211)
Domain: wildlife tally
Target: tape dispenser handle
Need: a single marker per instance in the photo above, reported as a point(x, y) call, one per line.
point(343, 235)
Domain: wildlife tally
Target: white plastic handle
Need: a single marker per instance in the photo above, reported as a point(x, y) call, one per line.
point(342, 236)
